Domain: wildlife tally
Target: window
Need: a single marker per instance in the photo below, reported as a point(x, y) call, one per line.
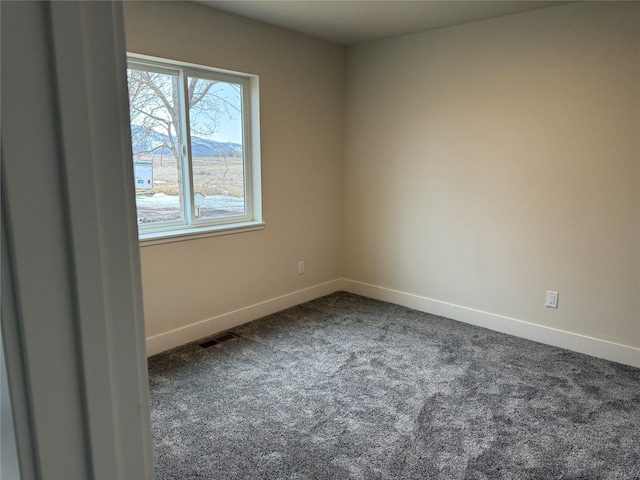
point(195, 149)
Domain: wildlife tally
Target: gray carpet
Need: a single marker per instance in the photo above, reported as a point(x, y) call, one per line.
point(349, 387)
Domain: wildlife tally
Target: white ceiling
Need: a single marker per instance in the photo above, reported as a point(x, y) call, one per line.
point(348, 21)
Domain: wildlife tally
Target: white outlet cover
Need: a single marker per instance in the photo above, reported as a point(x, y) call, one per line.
point(552, 299)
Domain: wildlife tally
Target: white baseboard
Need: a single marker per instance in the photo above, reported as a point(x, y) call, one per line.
point(550, 336)
point(519, 328)
point(190, 333)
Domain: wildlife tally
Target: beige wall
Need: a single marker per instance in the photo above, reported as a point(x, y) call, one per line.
point(302, 106)
point(489, 162)
point(482, 165)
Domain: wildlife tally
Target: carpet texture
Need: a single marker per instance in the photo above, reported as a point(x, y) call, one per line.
point(349, 387)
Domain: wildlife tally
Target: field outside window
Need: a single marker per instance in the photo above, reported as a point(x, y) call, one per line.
point(190, 132)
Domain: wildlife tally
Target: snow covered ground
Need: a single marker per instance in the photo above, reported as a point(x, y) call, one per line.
point(159, 207)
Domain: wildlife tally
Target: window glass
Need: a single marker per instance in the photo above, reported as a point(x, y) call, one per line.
point(189, 131)
point(155, 128)
point(215, 120)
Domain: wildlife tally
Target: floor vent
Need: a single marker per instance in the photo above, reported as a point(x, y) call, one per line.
point(219, 339)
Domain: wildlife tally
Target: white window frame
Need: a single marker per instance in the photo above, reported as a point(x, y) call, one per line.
point(191, 228)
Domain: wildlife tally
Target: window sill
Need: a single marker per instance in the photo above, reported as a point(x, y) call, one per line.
point(156, 238)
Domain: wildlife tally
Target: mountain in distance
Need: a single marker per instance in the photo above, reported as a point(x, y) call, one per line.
point(148, 141)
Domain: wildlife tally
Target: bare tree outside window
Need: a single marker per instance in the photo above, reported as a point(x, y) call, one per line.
point(213, 109)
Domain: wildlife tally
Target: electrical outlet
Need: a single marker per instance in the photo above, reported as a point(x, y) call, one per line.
point(300, 267)
point(552, 299)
